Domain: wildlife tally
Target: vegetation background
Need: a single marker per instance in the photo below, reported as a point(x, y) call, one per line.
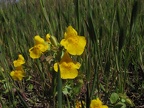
point(112, 64)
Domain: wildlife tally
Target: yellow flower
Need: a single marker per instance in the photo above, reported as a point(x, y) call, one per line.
point(40, 47)
point(19, 61)
point(73, 43)
point(41, 43)
point(36, 51)
point(97, 103)
point(18, 74)
point(48, 38)
point(68, 68)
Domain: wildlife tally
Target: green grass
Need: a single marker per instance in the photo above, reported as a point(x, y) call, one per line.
point(113, 61)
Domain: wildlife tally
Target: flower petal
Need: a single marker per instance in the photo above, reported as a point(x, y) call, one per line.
point(66, 58)
point(35, 52)
point(68, 70)
point(38, 40)
point(48, 38)
point(77, 65)
point(104, 106)
point(73, 43)
point(19, 61)
point(42, 47)
point(70, 32)
point(17, 75)
point(56, 67)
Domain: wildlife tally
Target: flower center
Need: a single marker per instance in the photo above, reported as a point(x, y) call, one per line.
point(73, 40)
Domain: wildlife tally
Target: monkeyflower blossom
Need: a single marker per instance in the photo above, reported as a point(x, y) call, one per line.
point(18, 73)
point(48, 38)
point(40, 47)
point(97, 103)
point(68, 69)
point(19, 61)
point(72, 42)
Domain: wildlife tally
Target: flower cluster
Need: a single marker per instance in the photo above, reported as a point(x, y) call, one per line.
point(72, 43)
point(18, 73)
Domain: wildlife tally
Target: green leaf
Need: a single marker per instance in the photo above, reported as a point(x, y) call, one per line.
point(114, 97)
point(30, 87)
point(120, 105)
point(130, 102)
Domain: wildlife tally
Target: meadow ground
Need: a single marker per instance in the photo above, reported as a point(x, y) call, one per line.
point(112, 63)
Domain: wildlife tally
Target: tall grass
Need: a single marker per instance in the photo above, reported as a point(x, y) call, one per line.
point(113, 61)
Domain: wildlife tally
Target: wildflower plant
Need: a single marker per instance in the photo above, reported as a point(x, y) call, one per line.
point(73, 44)
point(57, 70)
point(19, 72)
